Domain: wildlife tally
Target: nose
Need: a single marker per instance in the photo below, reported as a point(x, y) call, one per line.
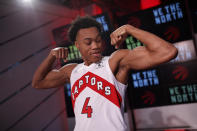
point(94, 45)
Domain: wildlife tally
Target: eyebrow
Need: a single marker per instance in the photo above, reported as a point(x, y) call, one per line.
point(99, 35)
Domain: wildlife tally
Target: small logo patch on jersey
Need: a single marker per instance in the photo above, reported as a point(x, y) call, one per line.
point(97, 84)
point(99, 65)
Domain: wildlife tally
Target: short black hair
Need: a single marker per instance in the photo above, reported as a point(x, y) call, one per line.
point(81, 23)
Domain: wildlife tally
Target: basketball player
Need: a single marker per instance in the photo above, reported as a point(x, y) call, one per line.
point(99, 83)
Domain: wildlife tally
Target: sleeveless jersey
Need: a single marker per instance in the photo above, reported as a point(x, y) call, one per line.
point(97, 98)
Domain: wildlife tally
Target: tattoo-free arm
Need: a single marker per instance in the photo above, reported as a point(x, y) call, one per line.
point(155, 52)
point(46, 77)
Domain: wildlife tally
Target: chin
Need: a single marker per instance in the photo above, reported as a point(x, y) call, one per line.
point(96, 59)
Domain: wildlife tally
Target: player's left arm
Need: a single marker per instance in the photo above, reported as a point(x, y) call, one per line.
point(155, 52)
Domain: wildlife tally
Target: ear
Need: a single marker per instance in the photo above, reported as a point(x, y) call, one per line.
point(77, 45)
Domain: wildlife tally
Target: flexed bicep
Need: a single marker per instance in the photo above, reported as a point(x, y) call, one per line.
point(141, 58)
point(56, 78)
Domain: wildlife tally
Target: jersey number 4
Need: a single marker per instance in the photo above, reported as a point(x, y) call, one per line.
point(87, 109)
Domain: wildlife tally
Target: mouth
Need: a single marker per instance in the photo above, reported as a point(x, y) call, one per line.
point(96, 54)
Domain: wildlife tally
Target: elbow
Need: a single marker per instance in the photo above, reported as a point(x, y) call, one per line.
point(35, 85)
point(173, 52)
point(168, 54)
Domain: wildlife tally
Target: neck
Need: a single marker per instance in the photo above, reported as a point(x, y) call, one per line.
point(88, 62)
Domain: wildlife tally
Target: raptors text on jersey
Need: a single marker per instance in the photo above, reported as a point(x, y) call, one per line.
point(99, 85)
point(97, 98)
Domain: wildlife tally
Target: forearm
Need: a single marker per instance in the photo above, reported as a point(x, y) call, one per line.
point(151, 41)
point(43, 69)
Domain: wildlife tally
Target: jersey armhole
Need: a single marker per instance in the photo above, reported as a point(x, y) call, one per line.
point(109, 69)
point(74, 69)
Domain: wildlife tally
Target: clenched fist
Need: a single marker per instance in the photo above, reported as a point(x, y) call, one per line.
point(119, 35)
point(60, 53)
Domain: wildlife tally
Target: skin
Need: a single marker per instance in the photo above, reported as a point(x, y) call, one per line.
point(156, 51)
point(89, 43)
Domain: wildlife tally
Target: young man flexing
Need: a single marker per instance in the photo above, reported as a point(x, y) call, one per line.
point(99, 83)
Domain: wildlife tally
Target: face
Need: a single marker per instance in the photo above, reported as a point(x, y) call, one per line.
point(89, 43)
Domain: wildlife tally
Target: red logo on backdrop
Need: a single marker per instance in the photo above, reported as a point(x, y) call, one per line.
point(180, 73)
point(60, 34)
point(172, 33)
point(148, 97)
point(63, 34)
point(135, 21)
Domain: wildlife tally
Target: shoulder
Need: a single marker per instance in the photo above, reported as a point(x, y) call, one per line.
point(68, 68)
point(115, 59)
point(118, 55)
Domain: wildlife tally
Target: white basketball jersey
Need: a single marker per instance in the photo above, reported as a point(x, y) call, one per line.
point(97, 98)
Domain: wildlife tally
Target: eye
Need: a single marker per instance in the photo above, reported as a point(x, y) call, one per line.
point(98, 40)
point(87, 42)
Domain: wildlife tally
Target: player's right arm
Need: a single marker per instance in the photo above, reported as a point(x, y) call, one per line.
point(46, 77)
